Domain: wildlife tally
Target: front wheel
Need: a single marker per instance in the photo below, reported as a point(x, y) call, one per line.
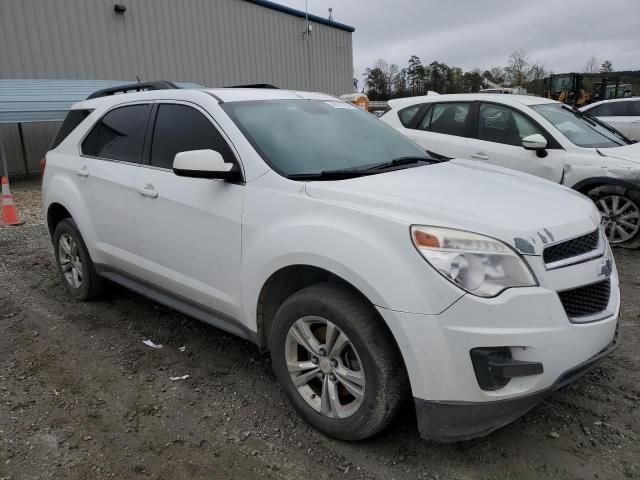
point(337, 362)
point(620, 217)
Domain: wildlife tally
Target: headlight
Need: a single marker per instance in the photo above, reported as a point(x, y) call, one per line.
point(480, 265)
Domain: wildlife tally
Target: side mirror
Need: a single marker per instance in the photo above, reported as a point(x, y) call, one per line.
point(203, 164)
point(534, 142)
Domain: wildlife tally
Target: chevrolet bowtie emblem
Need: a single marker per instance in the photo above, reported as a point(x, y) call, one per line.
point(606, 268)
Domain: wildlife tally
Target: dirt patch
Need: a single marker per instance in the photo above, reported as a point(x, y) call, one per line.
point(82, 397)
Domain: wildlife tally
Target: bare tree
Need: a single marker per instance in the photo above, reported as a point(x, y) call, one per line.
point(592, 65)
point(537, 74)
point(517, 68)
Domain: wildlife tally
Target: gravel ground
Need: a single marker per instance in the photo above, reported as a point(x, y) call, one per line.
point(81, 396)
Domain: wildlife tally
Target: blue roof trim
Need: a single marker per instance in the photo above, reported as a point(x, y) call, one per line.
point(301, 14)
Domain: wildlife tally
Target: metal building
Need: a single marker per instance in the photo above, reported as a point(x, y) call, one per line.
point(211, 42)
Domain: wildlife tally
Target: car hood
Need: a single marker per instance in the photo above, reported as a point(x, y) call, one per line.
point(522, 210)
point(630, 153)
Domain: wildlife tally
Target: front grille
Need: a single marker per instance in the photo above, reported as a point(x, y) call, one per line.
point(571, 248)
point(586, 301)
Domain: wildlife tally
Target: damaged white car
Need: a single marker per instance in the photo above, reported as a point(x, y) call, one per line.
point(537, 136)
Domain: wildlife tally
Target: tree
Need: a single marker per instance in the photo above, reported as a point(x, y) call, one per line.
point(472, 81)
point(439, 76)
point(606, 67)
point(379, 81)
point(393, 71)
point(495, 75)
point(415, 73)
point(518, 67)
point(375, 83)
point(400, 83)
point(591, 66)
point(537, 74)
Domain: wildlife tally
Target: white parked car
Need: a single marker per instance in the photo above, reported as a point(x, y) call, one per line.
point(537, 136)
point(623, 114)
point(369, 271)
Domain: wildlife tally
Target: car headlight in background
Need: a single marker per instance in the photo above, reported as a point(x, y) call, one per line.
point(480, 265)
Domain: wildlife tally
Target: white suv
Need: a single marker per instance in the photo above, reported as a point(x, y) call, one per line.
point(371, 272)
point(537, 136)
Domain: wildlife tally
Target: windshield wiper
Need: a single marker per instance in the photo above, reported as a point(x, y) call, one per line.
point(330, 175)
point(396, 162)
point(359, 172)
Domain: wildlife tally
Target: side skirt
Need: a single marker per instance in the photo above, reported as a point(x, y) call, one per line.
point(177, 302)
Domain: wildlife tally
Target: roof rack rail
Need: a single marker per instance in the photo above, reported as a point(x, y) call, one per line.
point(255, 85)
point(134, 87)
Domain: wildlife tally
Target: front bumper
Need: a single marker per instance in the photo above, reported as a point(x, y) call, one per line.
point(529, 322)
point(458, 421)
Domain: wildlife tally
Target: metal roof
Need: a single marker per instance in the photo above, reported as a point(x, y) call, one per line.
point(301, 14)
point(25, 101)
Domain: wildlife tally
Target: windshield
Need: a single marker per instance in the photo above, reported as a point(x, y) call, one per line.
point(312, 136)
point(582, 131)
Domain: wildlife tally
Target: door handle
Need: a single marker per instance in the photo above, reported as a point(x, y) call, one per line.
point(635, 121)
point(148, 191)
point(83, 171)
point(480, 156)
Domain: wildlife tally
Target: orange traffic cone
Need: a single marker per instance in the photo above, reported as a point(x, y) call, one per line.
point(9, 213)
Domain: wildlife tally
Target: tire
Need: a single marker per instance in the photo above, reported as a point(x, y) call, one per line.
point(620, 212)
point(370, 352)
point(74, 264)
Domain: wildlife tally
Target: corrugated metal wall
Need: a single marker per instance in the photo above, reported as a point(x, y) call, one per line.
point(211, 42)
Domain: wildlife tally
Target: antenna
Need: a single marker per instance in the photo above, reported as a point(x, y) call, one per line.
point(330, 14)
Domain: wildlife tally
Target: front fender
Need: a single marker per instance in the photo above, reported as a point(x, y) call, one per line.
point(374, 254)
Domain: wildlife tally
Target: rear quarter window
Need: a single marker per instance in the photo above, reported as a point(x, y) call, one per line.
point(71, 121)
point(406, 115)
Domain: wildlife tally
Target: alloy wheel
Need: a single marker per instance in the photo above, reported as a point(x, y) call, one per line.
point(324, 367)
point(620, 218)
point(70, 262)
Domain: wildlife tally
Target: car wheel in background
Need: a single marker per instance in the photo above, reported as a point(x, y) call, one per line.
point(620, 215)
point(74, 263)
point(337, 362)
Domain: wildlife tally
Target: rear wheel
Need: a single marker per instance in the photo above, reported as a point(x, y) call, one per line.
point(620, 217)
point(74, 263)
point(337, 362)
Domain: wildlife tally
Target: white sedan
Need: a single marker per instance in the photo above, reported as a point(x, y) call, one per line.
point(537, 136)
point(623, 114)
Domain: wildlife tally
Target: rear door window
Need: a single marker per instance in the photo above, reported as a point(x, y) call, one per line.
point(119, 135)
point(180, 128)
point(635, 108)
point(612, 109)
point(71, 121)
point(447, 118)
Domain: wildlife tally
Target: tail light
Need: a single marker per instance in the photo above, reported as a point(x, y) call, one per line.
point(43, 164)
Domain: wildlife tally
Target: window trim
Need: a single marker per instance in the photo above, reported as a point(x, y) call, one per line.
point(468, 122)
point(552, 143)
point(146, 152)
point(99, 120)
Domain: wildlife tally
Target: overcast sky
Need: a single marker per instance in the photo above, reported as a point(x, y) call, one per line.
point(561, 34)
